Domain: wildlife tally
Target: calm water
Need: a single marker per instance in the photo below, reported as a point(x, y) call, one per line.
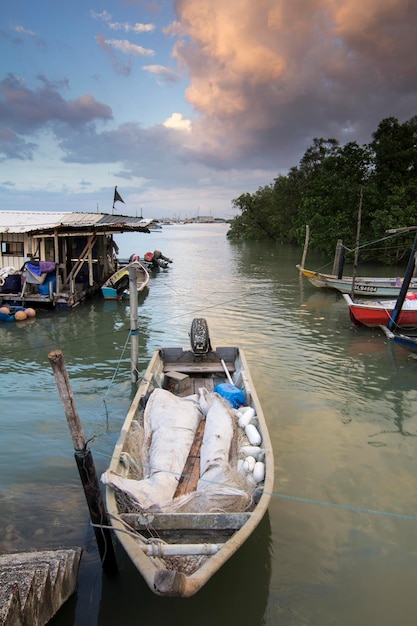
point(339, 546)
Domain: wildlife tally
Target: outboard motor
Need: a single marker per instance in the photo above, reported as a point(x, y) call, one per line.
point(199, 336)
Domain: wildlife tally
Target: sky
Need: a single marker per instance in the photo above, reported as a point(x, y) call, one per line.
point(185, 105)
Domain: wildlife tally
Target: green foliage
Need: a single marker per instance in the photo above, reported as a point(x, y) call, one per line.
point(325, 189)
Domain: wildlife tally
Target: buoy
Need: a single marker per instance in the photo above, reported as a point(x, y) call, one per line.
point(5, 310)
point(259, 471)
point(249, 464)
point(254, 451)
point(20, 315)
point(253, 435)
point(30, 312)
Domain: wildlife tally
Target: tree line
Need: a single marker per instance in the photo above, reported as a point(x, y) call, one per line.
point(324, 191)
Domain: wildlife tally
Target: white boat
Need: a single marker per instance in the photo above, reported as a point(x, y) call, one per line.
point(191, 475)
point(364, 285)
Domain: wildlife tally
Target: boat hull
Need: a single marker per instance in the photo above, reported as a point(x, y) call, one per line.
point(221, 531)
point(379, 313)
point(407, 342)
point(364, 286)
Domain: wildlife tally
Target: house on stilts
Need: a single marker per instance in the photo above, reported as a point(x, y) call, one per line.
point(56, 258)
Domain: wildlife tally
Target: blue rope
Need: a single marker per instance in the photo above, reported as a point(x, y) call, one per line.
point(345, 507)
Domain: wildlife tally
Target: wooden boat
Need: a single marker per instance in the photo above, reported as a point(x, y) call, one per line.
point(408, 342)
point(380, 312)
point(117, 286)
point(191, 476)
point(364, 285)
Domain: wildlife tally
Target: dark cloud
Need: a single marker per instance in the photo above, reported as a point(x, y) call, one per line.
point(23, 112)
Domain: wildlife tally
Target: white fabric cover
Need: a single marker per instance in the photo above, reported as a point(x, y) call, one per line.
point(170, 424)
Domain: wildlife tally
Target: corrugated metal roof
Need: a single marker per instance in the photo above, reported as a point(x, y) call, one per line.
point(31, 221)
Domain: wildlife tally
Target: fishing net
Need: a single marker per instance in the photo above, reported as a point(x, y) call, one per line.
point(155, 455)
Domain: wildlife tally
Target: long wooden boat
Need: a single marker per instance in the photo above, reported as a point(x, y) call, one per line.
point(364, 285)
point(380, 312)
point(191, 475)
point(117, 286)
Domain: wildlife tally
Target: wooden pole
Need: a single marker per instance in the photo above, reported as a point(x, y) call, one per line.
point(85, 465)
point(358, 234)
point(134, 333)
point(306, 240)
point(339, 259)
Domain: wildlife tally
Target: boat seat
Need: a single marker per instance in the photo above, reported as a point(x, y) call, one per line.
point(188, 521)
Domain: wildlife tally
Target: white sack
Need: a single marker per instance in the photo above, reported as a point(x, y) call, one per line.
point(170, 424)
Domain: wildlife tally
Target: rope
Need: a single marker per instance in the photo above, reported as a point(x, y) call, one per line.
point(282, 496)
point(346, 507)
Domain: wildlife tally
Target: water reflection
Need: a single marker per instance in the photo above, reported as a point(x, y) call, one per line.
point(237, 594)
point(341, 405)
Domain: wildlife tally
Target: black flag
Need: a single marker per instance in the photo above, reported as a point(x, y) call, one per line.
point(117, 197)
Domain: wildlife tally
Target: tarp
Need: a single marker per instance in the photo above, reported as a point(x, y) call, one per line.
point(170, 424)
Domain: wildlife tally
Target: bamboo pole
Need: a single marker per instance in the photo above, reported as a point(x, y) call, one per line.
point(85, 465)
point(134, 336)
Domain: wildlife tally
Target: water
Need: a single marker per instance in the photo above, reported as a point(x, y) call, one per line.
point(339, 544)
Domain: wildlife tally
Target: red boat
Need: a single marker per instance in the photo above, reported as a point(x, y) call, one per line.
point(379, 313)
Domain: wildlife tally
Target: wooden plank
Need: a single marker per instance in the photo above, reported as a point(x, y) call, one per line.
point(195, 368)
point(188, 521)
point(191, 472)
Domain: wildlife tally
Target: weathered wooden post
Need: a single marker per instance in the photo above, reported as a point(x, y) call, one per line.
point(85, 465)
point(134, 336)
point(339, 259)
point(306, 240)
point(358, 233)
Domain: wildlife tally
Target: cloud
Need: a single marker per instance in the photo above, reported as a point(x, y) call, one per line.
point(177, 121)
point(272, 76)
point(23, 112)
point(123, 45)
point(162, 74)
point(21, 29)
point(106, 17)
point(18, 28)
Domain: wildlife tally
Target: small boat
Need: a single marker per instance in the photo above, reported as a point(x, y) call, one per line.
point(191, 475)
point(380, 312)
point(117, 286)
point(408, 342)
point(364, 286)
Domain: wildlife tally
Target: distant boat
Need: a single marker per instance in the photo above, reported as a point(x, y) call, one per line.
point(191, 476)
point(364, 285)
point(117, 286)
point(380, 312)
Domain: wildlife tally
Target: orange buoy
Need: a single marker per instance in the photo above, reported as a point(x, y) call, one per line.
point(20, 315)
point(5, 309)
point(30, 312)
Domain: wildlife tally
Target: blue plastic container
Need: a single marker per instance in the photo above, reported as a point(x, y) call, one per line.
point(44, 288)
point(234, 395)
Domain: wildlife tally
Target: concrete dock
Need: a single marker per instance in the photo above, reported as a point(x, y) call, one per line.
point(34, 585)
